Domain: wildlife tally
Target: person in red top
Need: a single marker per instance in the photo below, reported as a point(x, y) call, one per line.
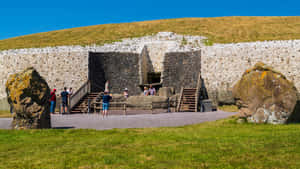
point(52, 101)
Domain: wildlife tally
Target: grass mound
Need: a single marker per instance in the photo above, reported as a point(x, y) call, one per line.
point(218, 30)
point(221, 144)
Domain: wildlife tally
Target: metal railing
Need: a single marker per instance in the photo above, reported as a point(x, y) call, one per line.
point(123, 106)
point(79, 94)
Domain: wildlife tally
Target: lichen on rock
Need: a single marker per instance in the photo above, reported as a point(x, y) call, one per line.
point(28, 95)
point(266, 96)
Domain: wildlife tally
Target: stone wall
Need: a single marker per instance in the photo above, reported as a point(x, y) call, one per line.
point(120, 69)
point(222, 65)
point(145, 66)
point(59, 66)
point(68, 65)
point(156, 52)
point(181, 69)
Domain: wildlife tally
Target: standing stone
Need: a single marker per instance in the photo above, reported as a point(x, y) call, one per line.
point(266, 96)
point(28, 95)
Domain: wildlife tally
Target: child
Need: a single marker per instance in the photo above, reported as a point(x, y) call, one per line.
point(146, 92)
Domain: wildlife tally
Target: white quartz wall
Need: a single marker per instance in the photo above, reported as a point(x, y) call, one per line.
point(222, 65)
point(68, 65)
point(59, 68)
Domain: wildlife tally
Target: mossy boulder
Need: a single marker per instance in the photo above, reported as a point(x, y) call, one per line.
point(28, 95)
point(266, 96)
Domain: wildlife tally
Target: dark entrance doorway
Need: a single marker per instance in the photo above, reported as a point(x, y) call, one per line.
point(153, 77)
point(96, 73)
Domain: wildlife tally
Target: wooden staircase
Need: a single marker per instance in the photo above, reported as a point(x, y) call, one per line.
point(82, 106)
point(188, 101)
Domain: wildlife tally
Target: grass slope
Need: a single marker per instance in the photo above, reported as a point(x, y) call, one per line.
point(221, 144)
point(220, 30)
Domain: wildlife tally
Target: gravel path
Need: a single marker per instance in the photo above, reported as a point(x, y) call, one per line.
point(95, 121)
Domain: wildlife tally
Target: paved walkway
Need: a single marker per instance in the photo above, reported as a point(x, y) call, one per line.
point(95, 121)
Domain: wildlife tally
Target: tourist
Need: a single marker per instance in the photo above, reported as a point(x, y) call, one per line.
point(64, 101)
point(52, 101)
point(106, 86)
point(70, 91)
point(152, 90)
point(146, 92)
point(125, 93)
point(105, 103)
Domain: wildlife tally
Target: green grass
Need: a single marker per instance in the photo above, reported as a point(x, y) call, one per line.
point(221, 144)
point(4, 113)
point(218, 30)
point(229, 108)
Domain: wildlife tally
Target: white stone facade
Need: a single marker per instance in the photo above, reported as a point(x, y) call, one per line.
point(68, 65)
point(221, 64)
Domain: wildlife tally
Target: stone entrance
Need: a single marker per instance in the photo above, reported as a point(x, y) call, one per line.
point(120, 69)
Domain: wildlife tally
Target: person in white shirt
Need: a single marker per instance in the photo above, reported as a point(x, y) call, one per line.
point(152, 90)
point(106, 86)
point(126, 95)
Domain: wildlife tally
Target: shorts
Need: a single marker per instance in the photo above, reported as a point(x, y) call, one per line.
point(64, 104)
point(105, 106)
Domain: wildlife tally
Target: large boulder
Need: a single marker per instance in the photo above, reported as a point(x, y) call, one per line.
point(266, 96)
point(28, 94)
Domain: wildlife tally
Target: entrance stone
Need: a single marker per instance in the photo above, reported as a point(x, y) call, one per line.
point(266, 96)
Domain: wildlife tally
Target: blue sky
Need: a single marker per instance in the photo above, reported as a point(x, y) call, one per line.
point(28, 16)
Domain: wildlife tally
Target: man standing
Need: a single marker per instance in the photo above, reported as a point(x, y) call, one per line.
point(105, 103)
point(52, 101)
point(64, 101)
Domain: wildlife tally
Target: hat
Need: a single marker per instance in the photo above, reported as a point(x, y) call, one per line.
point(54, 89)
point(125, 89)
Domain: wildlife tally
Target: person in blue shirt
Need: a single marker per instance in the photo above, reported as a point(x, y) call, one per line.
point(64, 101)
point(105, 103)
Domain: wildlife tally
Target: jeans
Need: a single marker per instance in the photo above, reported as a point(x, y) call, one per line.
point(52, 106)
